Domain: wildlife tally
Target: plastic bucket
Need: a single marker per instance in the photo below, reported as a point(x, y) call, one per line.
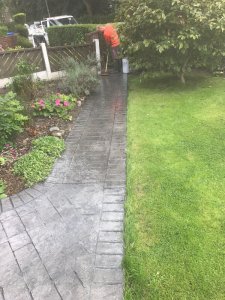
point(125, 65)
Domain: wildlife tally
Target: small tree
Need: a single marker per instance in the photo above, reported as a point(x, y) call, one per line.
point(173, 35)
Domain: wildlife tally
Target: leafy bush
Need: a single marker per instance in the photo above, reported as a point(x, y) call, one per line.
point(11, 118)
point(96, 19)
point(22, 83)
point(34, 166)
point(69, 34)
point(37, 165)
point(80, 77)
point(49, 145)
point(3, 30)
point(11, 26)
point(172, 35)
point(20, 18)
point(2, 190)
point(23, 42)
point(56, 105)
point(21, 30)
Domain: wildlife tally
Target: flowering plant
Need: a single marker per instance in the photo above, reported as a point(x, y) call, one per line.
point(56, 105)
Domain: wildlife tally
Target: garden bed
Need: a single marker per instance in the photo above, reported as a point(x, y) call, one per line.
point(30, 110)
point(21, 144)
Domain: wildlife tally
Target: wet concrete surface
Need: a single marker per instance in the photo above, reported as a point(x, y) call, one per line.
point(63, 239)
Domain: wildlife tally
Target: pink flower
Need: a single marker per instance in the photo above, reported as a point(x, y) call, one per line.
point(66, 103)
point(57, 102)
point(41, 103)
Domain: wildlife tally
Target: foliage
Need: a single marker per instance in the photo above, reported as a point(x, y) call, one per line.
point(23, 42)
point(21, 30)
point(36, 9)
point(174, 227)
point(69, 35)
point(14, 49)
point(49, 145)
point(37, 165)
point(80, 77)
point(20, 18)
point(34, 166)
point(11, 118)
point(10, 153)
point(3, 30)
point(2, 190)
point(56, 105)
point(22, 83)
point(2, 161)
point(96, 19)
point(173, 35)
point(11, 26)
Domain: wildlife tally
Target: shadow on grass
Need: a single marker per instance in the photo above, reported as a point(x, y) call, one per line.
point(172, 83)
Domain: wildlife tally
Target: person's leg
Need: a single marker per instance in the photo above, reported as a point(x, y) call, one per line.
point(115, 52)
point(116, 59)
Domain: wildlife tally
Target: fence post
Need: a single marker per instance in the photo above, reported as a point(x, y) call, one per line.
point(98, 55)
point(46, 60)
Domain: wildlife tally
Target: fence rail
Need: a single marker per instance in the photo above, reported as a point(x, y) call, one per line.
point(58, 54)
point(34, 56)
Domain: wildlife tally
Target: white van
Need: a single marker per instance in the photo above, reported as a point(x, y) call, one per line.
point(58, 21)
point(38, 33)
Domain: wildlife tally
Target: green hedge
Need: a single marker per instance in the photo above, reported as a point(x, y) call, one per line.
point(23, 42)
point(22, 30)
point(11, 26)
point(20, 18)
point(3, 30)
point(69, 34)
point(96, 19)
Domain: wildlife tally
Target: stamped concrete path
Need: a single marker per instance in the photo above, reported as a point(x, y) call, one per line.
point(63, 239)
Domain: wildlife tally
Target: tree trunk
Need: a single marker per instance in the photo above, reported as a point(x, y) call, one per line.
point(88, 6)
point(182, 78)
point(182, 71)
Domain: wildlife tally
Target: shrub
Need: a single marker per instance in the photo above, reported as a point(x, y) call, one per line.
point(172, 35)
point(37, 165)
point(23, 42)
point(2, 190)
point(96, 19)
point(22, 83)
point(21, 30)
point(11, 118)
point(49, 145)
point(69, 34)
point(11, 26)
point(80, 77)
point(3, 30)
point(20, 18)
point(56, 105)
point(34, 167)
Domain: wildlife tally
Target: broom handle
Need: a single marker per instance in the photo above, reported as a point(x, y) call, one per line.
point(106, 66)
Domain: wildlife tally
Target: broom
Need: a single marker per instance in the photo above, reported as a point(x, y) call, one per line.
point(105, 73)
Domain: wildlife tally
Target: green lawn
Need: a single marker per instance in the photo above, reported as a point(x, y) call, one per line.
point(175, 209)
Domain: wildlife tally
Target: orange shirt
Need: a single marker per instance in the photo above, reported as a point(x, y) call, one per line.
point(110, 35)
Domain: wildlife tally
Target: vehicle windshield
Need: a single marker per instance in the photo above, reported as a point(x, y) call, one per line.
point(62, 21)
